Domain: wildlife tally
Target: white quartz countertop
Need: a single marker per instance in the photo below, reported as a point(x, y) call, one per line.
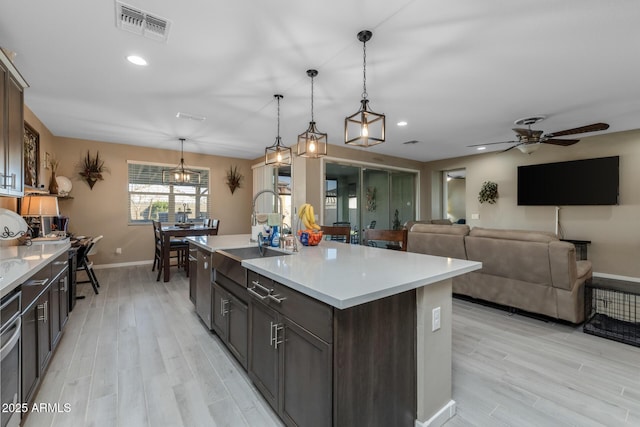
point(344, 275)
point(18, 263)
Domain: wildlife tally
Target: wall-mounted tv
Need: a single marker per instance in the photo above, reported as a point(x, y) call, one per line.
point(578, 182)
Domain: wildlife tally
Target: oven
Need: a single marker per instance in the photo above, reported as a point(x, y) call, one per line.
point(10, 359)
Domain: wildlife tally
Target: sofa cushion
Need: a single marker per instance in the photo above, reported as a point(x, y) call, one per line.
point(460, 230)
point(526, 261)
point(524, 235)
point(438, 240)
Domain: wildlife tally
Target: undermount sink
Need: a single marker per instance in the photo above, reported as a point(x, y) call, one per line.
point(252, 252)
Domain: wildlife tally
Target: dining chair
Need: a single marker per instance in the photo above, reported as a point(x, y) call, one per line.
point(341, 232)
point(86, 265)
point(179, 250)
point(398, 238)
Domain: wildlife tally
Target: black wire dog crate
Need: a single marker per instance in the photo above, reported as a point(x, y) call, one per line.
point(612, 310)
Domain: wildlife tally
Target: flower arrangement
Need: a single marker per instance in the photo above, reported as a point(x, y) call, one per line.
point(234, 178)
point(92, 168)
point(488, 192)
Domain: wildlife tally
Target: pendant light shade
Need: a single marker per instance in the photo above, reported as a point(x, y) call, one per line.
point(277, 154)
point(365, 128)
point(181, 174)
point(312, 143)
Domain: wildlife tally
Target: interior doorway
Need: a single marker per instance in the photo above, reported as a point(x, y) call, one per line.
point(455, 192)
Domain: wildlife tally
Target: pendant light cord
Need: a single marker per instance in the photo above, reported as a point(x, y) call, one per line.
point(364, 70)
point(312, 99)
point(278, 137)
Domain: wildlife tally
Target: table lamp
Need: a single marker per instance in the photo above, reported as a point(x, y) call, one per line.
point(39, 206)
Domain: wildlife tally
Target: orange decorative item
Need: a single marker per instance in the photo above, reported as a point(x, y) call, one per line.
point(310, 237)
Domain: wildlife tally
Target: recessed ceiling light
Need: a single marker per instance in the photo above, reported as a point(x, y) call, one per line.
point(137, 60)
point(402, 123)
point(188, 116)
point(481, 148)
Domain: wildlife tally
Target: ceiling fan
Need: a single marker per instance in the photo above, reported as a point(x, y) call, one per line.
point(529, 140)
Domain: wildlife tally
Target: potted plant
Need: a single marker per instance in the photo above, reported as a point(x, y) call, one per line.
point(488, 192)
point(92, 168)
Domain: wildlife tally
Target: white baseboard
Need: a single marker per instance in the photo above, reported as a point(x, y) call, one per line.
point(439, 418)
point(617, 277)
point(122, 264)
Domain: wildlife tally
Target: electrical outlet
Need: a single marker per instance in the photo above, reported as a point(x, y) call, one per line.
point(435, 319)
point(475, 216)
point(118, 251)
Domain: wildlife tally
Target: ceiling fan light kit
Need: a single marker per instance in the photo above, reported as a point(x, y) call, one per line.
point(277, 154)
point(529, 140)
point(312, 143)
point(365, 128)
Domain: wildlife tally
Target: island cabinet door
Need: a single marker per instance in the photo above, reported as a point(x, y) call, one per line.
point(219, 310)
point(263, 356)
point(193, 273)
point(237, 329)
point(29, 352)
point(306, 376)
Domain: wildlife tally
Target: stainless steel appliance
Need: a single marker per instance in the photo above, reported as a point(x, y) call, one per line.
point(10, 330)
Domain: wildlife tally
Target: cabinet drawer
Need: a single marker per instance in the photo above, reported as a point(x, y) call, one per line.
point(59, 264)
point(311, 314)
point(33, 287)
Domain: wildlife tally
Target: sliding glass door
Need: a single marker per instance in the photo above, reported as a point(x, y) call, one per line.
point(366, 197)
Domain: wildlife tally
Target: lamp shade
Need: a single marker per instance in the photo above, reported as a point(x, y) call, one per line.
point(39, 206)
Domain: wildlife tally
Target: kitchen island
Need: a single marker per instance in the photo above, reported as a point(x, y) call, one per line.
point(361, 320)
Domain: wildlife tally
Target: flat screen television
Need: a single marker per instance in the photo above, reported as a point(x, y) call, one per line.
point(577, 182)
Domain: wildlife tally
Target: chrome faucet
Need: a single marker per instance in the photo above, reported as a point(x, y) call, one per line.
point(254, 220)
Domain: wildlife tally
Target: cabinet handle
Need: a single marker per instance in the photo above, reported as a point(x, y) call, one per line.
point(61, 262)
point(41, 282)
point(206, 265)
point(223, 310)
point(259, 285)
point(253, 292)
point(45, 311)
point(271, 334)
point(278, 328)
point(66, 285)
point(277, 298)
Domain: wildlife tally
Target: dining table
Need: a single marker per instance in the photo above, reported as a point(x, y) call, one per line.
point(171, 231)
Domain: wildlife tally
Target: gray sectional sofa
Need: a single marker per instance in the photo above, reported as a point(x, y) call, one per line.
point(528, 270)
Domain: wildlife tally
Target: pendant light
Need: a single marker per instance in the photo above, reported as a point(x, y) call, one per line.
point(277, 154)
point(364, 128)
point(180, 174)
point(312, 143)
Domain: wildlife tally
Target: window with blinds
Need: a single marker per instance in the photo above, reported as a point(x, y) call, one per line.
point(151, 199)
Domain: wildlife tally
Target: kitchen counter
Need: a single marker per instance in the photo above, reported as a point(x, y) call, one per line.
point(344, 275)
point(17, 263)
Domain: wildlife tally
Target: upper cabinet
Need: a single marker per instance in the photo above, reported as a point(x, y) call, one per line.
point(12, 86)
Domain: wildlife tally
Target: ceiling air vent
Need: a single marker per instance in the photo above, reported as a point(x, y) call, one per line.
point(141, 22)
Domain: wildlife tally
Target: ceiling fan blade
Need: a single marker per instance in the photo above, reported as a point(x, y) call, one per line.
point(563, 142)
point(492, 143)
point(583, 129)
point(511, 148)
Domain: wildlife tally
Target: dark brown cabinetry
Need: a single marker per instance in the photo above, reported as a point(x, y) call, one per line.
point(320, 366)
point(230, 318)
point(44, 315)
point(11, 128)
point(290, 365)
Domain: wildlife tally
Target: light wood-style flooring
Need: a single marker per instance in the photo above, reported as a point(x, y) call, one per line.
point(137, 355)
